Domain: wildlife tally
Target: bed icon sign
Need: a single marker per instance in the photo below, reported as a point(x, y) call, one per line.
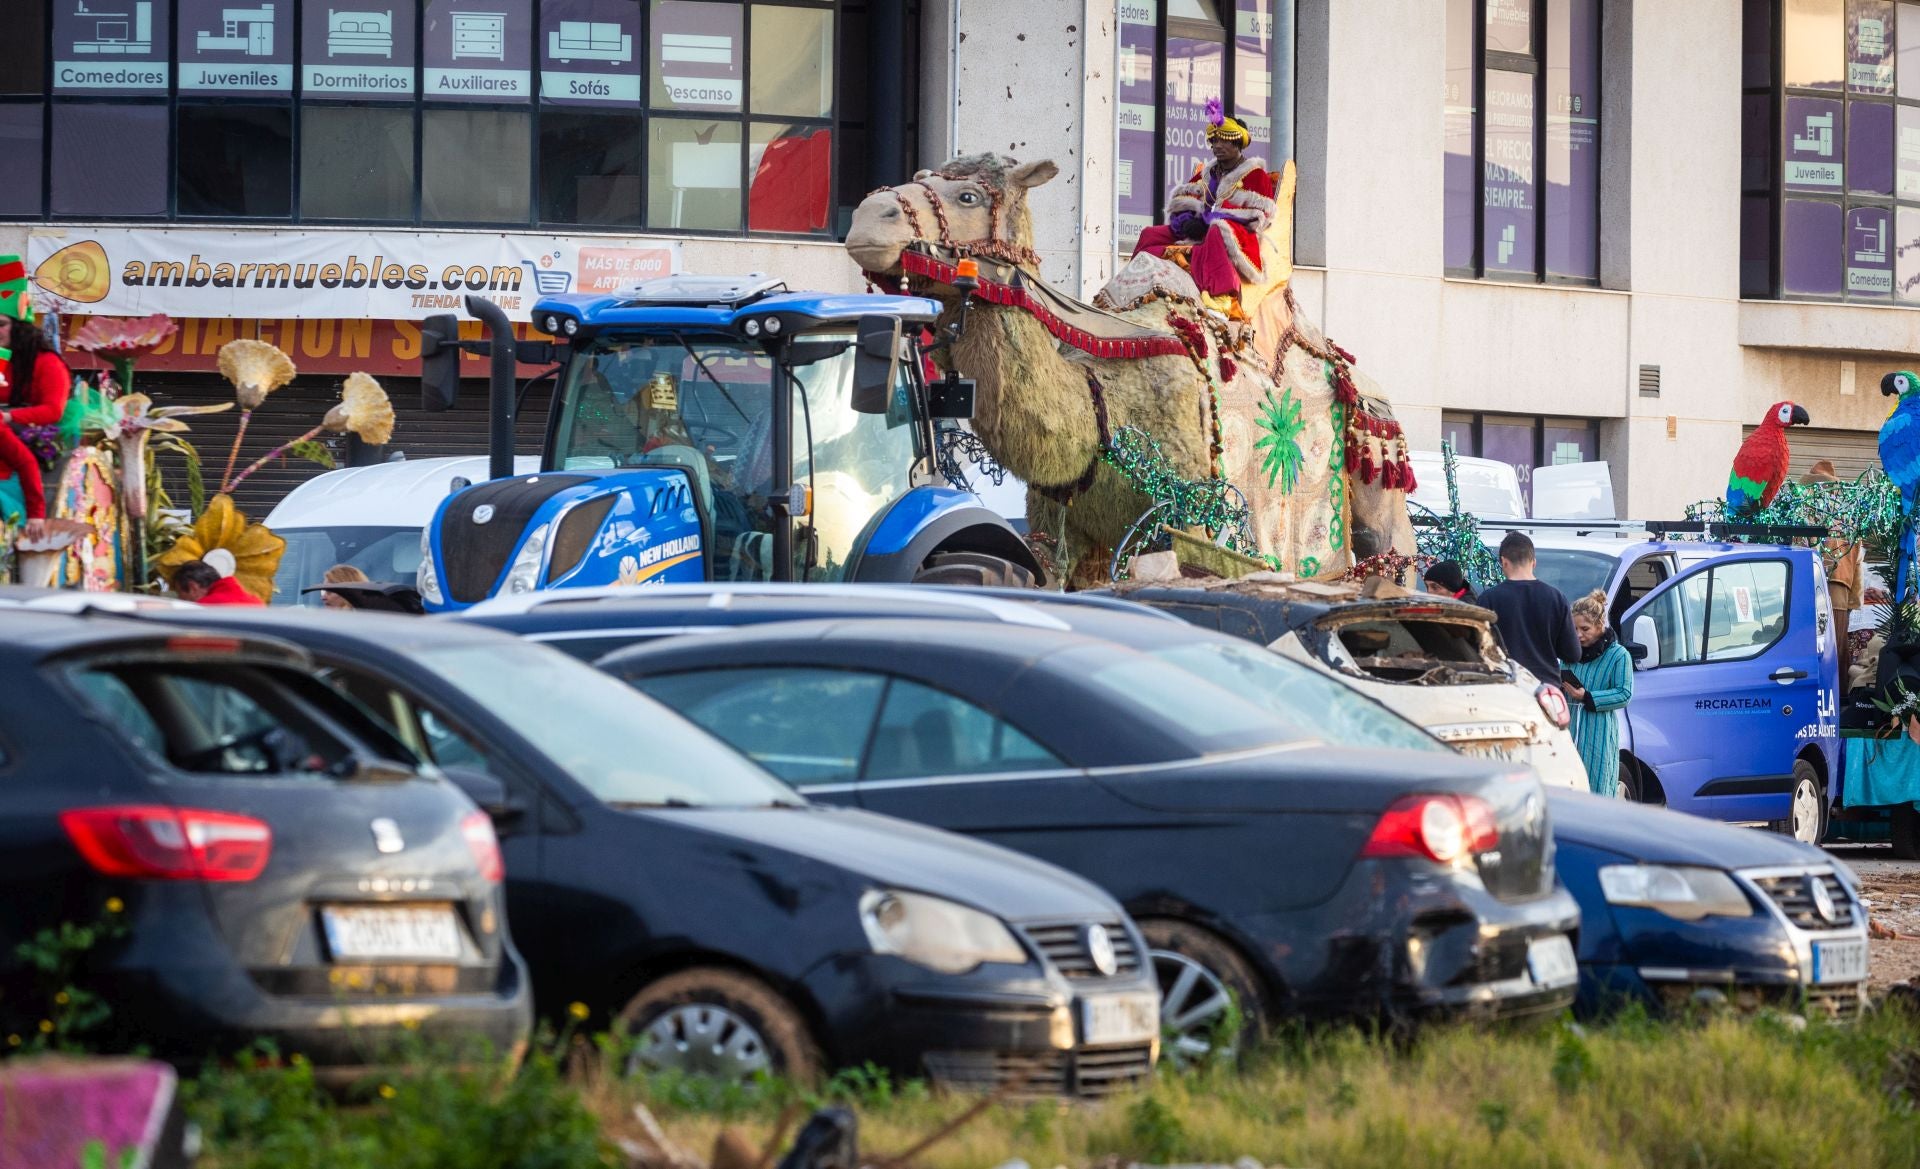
point(548, 283)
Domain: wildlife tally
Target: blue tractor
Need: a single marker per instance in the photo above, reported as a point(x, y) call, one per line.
point(716, 428)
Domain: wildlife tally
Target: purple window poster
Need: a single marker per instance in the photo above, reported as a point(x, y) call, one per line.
point(236, 47)
point(1253, 75)
point(1870, 46)
point(1870, 253)
point(1135, 186)
point(1811, 248)
point(365, 50)
point(1510, 441)
point(1870, 148)
point(117, 47)
point(1507, 242)
point(477, 50)
point(1194, 73)
point(1810, 154)
point(1907, 153)
point(590, 52)
point(698, 56)
point(1457, 127)
point(1906, 253)
point(1573, 139)
point(1510, 26)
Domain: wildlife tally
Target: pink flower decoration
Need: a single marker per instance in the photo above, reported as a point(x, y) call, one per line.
point(121, 339)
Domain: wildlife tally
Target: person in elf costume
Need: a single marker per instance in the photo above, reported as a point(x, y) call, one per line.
point(1217, 216)
point(23, 496)
point(38, 381)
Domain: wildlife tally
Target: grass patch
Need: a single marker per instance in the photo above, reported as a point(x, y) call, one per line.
point(1744, 1094)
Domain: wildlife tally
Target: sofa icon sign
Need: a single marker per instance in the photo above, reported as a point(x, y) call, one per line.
point(581, 40)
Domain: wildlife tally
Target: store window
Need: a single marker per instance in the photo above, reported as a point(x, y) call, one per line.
point(1175, 56)
point(1520, 116)
point(1830, 175)
point(513, 113)
point(1521, 441)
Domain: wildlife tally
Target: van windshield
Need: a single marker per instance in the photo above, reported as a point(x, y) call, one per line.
point(385, 554)
point(1573, 572)
point(622, 746)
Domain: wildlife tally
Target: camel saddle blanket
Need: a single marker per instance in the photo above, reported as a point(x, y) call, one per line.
point(1073, 322)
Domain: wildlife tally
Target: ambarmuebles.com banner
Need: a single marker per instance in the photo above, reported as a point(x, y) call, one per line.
point(393, 276)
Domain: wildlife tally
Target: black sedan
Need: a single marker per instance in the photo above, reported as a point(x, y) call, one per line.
point(257, 858)
point(1262, 865)
point(721, 918)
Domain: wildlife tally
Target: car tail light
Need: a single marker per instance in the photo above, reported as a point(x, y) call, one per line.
point(1554, 702)
point(169, 844)
point(478, 829)
point(1442, 828)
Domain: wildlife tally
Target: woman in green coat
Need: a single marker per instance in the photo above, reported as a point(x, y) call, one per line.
point(1602, 684)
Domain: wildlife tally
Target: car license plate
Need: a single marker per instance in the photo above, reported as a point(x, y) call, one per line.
point(1505, 752)
point(1551, 961)
point(392, 931)
point(1119, 1018)
point(1840, 961)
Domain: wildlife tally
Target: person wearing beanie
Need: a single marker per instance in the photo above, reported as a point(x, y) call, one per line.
point(1217, 216)
point(38, 381)
point(1445, 579)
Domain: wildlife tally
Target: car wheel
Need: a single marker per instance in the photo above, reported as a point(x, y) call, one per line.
point(1906, 832)
point(1204, 983)
point(975, 570)
point(1807, 820)
point(1628, 788)
point(718, 1023)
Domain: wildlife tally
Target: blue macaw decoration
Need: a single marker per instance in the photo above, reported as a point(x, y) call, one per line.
point(1900, 455)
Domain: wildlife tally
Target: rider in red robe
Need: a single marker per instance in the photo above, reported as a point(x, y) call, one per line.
point(1220, 213)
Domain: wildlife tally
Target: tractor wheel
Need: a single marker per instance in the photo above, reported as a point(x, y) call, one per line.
point(974, 570)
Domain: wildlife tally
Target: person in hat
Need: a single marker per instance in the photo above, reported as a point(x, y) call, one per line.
point(1217, 216)
point(1843, 561)
point(38, 381)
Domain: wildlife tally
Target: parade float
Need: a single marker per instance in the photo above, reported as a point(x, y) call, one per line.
point(113, 524)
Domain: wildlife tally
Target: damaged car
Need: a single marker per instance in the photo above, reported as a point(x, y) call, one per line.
point(1432, 659)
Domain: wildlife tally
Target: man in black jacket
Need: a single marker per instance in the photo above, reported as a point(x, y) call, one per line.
point(1535, 623)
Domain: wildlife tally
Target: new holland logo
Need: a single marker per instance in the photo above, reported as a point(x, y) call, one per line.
point(483, 513)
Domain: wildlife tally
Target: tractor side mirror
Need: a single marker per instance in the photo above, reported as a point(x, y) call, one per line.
point(876, 363)
point(439, 362)
point(1644, 649)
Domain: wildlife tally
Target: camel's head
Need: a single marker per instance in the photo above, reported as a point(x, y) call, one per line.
point(978, 202)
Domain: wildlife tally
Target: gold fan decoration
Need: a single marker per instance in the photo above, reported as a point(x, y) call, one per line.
point(256, 369)
point(364, 410)
point(255, 549)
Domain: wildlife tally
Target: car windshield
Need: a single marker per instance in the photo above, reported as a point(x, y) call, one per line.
point(1574, 573)
point(706, 403)
point(622, 746)
point(383, 553)
point(1317, 706)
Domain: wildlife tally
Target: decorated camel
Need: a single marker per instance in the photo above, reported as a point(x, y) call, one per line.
point(1267, 405)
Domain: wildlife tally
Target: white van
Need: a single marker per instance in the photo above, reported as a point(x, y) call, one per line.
point(368, 517)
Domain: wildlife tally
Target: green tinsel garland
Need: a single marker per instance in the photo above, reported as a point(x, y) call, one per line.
point(1213, 503)
point(1456, 535)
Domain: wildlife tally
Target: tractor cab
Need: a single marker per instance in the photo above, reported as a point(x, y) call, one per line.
point(725, 428)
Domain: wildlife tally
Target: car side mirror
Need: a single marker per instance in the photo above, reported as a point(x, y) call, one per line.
point(488, 792)
point(1644, 647)
point(876, 363)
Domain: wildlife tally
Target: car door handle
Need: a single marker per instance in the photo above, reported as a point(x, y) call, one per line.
point(1786, 674)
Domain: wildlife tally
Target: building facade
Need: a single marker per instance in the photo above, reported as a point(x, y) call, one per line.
point(1553, 230)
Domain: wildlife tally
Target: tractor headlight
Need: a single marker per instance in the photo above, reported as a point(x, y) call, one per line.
point(428, 582)
point(751, 328)
point(524, 576)
point(1678, 891)
point(550, 325)
point(935, 933)
point(570, 327)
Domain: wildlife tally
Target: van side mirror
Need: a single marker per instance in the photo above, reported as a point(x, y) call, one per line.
point(1644, 648)
point(439, 362)
point(876, 363)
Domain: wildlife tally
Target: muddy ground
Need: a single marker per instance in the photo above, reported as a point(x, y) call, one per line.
point(1892, 890)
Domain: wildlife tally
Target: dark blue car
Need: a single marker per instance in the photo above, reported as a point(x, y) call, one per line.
point(1677, 911)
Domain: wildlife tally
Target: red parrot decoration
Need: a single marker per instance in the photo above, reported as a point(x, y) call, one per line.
point(1761, 465)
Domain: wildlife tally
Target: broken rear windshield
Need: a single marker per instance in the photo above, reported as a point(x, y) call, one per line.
point(1410, 649)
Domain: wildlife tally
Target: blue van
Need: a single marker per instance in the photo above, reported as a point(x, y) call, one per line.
point(1736, 675)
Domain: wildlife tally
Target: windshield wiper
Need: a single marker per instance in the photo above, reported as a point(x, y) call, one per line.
point(702, 363)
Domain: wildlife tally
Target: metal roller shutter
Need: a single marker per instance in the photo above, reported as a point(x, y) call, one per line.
point(1851, 451)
